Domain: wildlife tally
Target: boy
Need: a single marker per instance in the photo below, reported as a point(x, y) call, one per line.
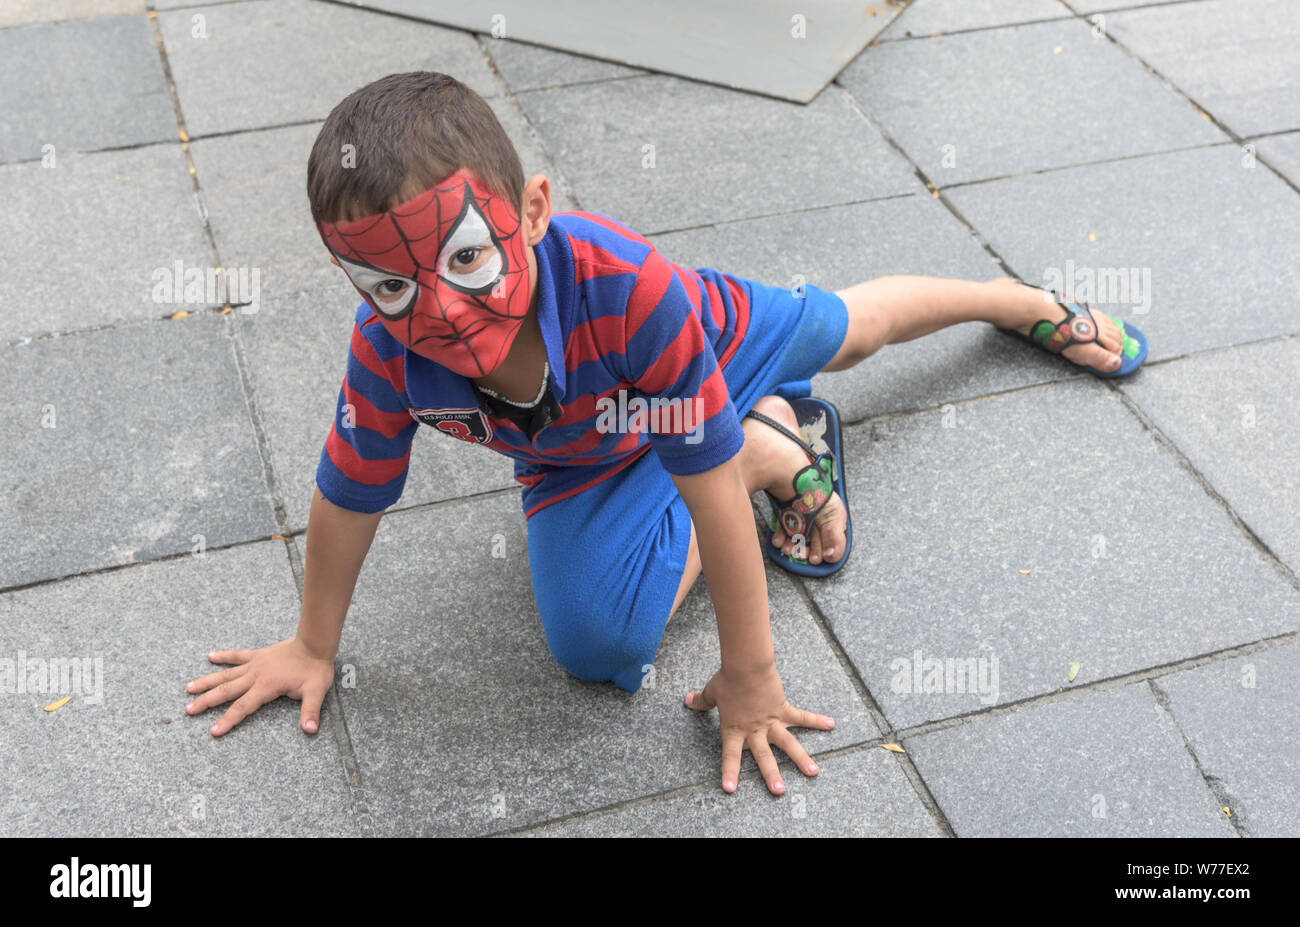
point(488, 318)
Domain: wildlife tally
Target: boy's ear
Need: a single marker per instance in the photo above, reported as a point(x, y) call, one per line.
point(536, 212)
point(334, 260)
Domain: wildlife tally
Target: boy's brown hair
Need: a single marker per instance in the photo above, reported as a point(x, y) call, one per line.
point(408, 131)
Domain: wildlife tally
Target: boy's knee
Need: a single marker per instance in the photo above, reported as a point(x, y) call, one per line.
point(589, 645)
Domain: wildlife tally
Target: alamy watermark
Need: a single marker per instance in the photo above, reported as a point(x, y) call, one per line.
point(81, 676)
point(930, 675)
point(208, 286)
point(661, 416)
point(1108, 285)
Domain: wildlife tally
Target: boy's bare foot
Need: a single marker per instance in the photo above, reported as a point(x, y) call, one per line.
point(1026, 305)
point(783, 459)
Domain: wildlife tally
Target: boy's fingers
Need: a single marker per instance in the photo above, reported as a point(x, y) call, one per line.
point(309, 717)
point(230, 656)
point(766, 762)
point(791, 747)
point(248, 703)
point(234, 688)
point(203, 683)
point(797, 717)
point(733, 745)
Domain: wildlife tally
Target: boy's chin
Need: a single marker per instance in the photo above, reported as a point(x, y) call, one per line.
point(462, 362)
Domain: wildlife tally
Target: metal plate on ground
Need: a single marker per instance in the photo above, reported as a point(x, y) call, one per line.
point(772, 47)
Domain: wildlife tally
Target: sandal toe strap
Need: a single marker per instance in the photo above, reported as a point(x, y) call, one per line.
point(813, 486)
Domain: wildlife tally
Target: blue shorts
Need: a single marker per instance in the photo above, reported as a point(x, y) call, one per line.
point(606, 562)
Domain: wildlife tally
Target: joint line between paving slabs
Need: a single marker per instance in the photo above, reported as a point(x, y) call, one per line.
point(1206, 486)
point(930, 727)
point(536, 136)
point(934, 190)
point(1104, 685)
point(1214, 784)
point(886, 728)
point(358, 806)
point(1204, 111)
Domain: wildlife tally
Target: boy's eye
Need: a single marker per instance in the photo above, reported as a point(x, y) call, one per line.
point(465, 257)
point(390, 290)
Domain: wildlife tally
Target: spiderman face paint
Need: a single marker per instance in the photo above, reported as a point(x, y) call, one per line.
point(445, 271)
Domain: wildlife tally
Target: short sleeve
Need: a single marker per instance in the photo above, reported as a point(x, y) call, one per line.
point(364, 462)
point(670, 361)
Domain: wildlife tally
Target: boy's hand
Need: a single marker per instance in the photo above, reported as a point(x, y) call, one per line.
point(287, 668)
point(753, 713)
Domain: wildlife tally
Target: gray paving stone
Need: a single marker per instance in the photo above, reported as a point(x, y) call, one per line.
point(81, 86)
point(1105, 764)
point(532, 67)
point(254, 186)
point(1235, 58)
point(1283, 152)
point(312, 54)
point(150, 445)
point(863, 794)
point(926, 17)
point(109, 764)
point(1233, 413)
point(908, 235)
point(1242, 719)
point(176, 4)
point(1209, 234)
point(1094, 6)
point(462, 721)
point(1130, 563)
point(1005, 101)
point(705, 142)
point(25, 12)
point(298, 349)
point(63, 225)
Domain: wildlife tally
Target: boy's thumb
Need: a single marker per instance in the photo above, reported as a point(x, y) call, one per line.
point(699, 701)
point(309, 717)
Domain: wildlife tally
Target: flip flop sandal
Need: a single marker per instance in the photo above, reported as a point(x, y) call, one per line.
point(819, 421)
point(1081, 328)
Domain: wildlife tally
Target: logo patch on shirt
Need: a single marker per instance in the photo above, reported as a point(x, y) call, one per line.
point(467, 424)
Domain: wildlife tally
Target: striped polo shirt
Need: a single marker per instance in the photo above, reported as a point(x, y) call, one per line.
point(636, 346)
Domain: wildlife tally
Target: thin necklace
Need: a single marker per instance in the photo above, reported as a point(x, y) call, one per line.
point(541, 390)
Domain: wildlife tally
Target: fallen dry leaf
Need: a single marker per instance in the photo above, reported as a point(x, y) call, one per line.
point(1227, 811)
point(1074, 671)
point(179, 315)
point(53, 706)
point(1092, 236)
point(1058, 49)
point(1025, 572)
point(185, 136)
point(893, 748)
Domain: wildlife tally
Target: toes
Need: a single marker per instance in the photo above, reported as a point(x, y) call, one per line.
point(1108, 333)
point(1093, 355)
point(830, 534)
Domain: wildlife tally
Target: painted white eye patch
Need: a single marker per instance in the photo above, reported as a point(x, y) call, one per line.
point(471, 232)
point(388, 301)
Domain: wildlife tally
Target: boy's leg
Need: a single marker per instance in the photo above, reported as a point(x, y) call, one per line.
point(889, 310)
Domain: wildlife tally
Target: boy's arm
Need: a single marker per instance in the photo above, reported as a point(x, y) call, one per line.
point(338, 540)
point(752, 708)
point(301, 667)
